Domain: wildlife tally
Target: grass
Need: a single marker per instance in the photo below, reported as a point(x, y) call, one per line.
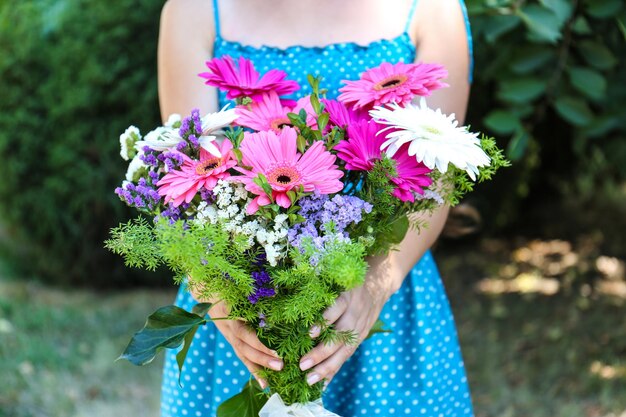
point(58, 351)
point(541, 326)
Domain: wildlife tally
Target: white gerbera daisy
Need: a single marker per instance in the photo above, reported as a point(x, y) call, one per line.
point(434, 138)
point(160, 139)
point(212, 124)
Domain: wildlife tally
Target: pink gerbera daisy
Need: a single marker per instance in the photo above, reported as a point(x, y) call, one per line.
point(340, 115)
point(392, 83)
point(244, 80)
point(362, 149)
point(270, 113)
point(181, 185)
point(412, 176)
point(276, 156)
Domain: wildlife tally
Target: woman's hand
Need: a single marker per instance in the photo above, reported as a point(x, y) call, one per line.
point(356, 310)
point(246, 344)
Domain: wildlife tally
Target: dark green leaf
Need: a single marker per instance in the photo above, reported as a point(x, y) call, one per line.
point(201, 309)
point(543, 24)
point(597, 55)
point(165, 328)
point(378, 327)
point(589, 82)
point(247, 403)
point(498, 25)
point(602, 125)
point(603, 8)
point(182, 354)
point(518, 144)
point(562, 8)
point(502, 122)
point(530, 58)
point(574, 110)
point(521, 90)
point(399, 229)
point(581, 26)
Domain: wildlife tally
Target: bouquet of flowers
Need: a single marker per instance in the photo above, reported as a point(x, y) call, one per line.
point(273, 206)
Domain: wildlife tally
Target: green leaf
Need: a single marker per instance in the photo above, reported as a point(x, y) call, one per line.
point(378, 327)
point(165, 328)
point(498, 25)
point(597, 55)
point(182, 354)
point(247, 403)
point(581, 26)
point(543, 24)
point(602, 9)
point(521, 90)
point(301, 143)
point(589, 82)
point(315, 103)
point(562, 8)
point(322, 121)
point(574, 110)
point(502, 122)
point(399, 229)
point(518, 144)
point(530, 58)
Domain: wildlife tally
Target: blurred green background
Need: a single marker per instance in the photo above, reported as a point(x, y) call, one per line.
point(538, 291)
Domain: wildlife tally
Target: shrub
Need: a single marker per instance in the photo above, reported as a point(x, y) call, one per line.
point(73, 75)
point(550, 81)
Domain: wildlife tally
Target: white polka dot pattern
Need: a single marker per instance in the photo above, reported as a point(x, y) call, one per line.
point(416, 371)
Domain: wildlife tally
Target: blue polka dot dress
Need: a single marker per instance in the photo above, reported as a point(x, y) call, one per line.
point(415, 371)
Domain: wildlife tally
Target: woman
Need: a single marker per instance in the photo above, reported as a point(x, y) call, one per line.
point(416, 370)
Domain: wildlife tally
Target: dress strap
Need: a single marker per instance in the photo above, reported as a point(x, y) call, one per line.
point(470, 41)
point(410, 18)
point(216, 19)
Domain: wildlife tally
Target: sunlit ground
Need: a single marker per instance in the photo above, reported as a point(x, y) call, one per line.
point(541, 324)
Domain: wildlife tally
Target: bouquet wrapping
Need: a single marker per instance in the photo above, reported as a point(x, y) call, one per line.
point(273, 206)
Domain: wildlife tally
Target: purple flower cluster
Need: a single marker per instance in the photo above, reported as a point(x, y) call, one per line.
point(262, 286)
point(191, 125)
point(319, 211)
point(173, 213)
point(207, 195)
point(149, 157)
point(172, 160)
point(142, 195)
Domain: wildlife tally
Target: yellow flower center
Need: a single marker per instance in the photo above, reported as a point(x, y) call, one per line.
point(391, 82)
point(207, 166)
point(283, 176)
point(279, 123)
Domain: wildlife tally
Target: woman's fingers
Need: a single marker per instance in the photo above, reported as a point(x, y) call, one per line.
point(332, 313)
point(253, 368)
point(329, 367)
point(248, 336)
point(257, 357)
point(318, 354)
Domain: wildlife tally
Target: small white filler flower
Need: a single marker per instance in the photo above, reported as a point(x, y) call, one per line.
point(434, 138)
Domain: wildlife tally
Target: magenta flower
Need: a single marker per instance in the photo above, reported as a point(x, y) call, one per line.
point(244, 81)
point(392, 83)
point(412, 176)
point(181, 185)
point(342, 116)
point(276, 156)
point(362, 149)
point(270, 113)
